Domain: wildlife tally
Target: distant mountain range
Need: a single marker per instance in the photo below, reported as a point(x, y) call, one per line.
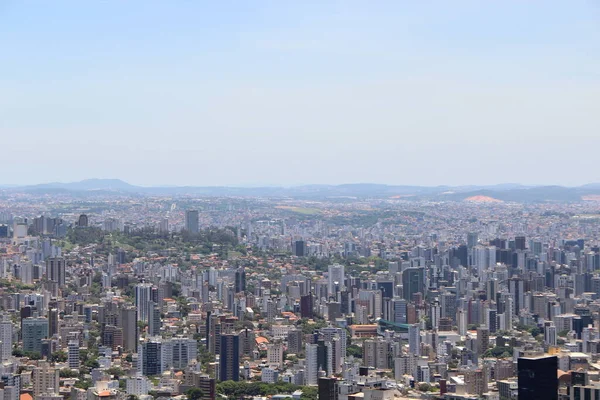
point(509, 192)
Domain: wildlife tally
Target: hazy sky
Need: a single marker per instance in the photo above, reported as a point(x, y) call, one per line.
point(292, 92)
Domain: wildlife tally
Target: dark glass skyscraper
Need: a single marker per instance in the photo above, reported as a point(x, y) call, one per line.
point(412, 282)
point(229, 367)
point(240, 280)
point(538, 379)
point(328, 389)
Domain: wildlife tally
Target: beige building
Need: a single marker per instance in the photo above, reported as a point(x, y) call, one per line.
point(45, 379)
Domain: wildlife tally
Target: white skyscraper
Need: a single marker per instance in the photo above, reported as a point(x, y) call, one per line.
point(335, 278)
point(550, 336)
point(143, 298)
point(414, 339)
point(6, 336)
point(311, 364)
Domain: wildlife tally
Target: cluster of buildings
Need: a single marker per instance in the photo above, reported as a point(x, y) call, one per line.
point(439, 301)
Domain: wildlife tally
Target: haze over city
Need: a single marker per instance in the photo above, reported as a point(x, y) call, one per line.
point(288, 93)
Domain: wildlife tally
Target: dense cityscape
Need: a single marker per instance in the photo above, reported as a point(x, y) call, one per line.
point(116, 295)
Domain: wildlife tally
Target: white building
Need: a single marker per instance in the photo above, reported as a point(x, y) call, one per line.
point(335, 278)
point(6, 338)
point(414, 339)
point(137, 386)
point(311, 364)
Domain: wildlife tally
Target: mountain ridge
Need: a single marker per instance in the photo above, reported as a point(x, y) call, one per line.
point(510, 192)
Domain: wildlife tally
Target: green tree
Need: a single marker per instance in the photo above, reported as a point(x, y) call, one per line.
point(194, 394)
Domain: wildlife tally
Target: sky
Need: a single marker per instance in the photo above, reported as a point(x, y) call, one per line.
point(246, 93)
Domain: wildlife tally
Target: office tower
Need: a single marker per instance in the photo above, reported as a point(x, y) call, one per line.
point(330, 333)
point(399, 310)
point(191, 221)
point(34, 330)
point(154, 322)
point(6, 338)
point(163, 227)
point(520, 243)
point(328, 389)
point(538, 378)
point(83, 221)
point(412, 282)
point(491, 288)
point(414, 339)
point(128, 321)
point(306, 306)
point(45, 379)
point(181, 352)
point(52, 322)
point(550, 335)
point(492, 320)
point(73, 354)
point(229, 361)
point(143, 300)
point(55, 270)
point(150, 357)
point(240, 280)
point(516, 287)
point(300, 248)
point(335, 279)
point(472, 239)
point(312, 369)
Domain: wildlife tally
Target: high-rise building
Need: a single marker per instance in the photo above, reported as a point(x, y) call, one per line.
point(55, 270)
point(6, 337)
point(306, 306)
point(52, 322)
point(300, 248)
point(328, 389)
point(335, 279)
point(294, 340)
point(475, 381)
point(312, 369)
point(128, 321)
point(143, 300)
point(413, 281)
point(150, 357)
point(73, 354)
point(472, 239)
point(229, 361)
point(376, 353)
point(191, 221)
point(275, 354)
point(45, 379)
point(34, 329)
point(154, 321)
point(247, 343)
point(538, 379)
point(83, 221)
point(520, 243)
point(240, 280)
point(483, 339)
point(180, 352)
point(414, 339)
point(550, 334)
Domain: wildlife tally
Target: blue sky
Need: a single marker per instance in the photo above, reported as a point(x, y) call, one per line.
point(290, 92)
